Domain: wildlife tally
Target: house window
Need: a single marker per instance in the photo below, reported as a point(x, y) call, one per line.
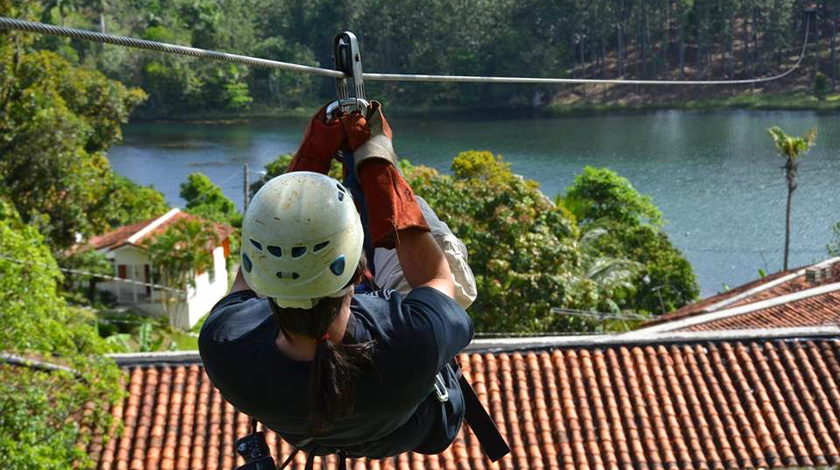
point(122, 271)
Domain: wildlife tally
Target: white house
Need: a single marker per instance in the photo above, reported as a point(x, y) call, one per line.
point(124, 247)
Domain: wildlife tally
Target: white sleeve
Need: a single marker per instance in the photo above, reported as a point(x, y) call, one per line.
point(389, 274)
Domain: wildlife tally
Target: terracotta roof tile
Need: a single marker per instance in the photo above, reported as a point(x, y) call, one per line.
point(813, 311)
point(120, 236)
point(710, 405)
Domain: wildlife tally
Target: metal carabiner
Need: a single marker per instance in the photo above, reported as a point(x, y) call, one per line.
point(440, 388)
point(348, 59)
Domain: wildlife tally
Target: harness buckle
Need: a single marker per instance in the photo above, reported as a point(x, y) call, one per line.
point(440, 388)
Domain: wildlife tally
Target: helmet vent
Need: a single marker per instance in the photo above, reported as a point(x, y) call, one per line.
point(320, 246)
point(340, 196)
point(246, 263)
point(337, 266)
point(275, 250)
point(256, 244)
point(298, 251)
point(340, 187)
point(282, 275)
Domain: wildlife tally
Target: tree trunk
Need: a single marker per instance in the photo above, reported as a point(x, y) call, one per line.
point(730, 61)
point(833, 54)
point(746, 46)
point(620, 52)
point(787, 226)
point(645, 40)
point(603, 57)
point(817, 38)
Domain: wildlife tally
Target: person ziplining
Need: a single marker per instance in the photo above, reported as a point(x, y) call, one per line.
point(341, 329)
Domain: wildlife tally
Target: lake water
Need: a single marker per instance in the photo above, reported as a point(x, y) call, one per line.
point(715, 176)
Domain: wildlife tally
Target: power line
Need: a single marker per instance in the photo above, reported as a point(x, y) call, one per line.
point(34, 27)
point(202, 196)
point(88, 273)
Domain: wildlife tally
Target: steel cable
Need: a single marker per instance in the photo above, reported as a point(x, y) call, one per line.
point(29, 26)
point(32, 27)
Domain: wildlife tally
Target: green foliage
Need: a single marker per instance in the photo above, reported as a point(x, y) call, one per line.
point(600, 248)
point(89, 261)
point(602, 194)
point(207, 200)
point(601, 200)
point(180, 252)
point(43, 415)
point(821, 86)
point(791, 147)
point(527, 253)
point(834, 246)
point(130, 202)
point(56, 121)
point(631, 39)
point(665, 280)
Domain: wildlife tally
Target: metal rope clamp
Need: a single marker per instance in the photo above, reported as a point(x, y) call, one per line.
point(348, 60)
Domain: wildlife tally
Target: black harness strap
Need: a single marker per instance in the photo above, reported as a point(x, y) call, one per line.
point(488, 435)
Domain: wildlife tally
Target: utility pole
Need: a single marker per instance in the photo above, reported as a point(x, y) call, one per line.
point(246, 192)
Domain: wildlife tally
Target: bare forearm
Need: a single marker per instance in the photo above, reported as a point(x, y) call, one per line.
point(423, 262)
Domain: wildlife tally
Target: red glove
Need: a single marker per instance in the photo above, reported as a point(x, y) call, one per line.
point(390, 202)
point(321, 142)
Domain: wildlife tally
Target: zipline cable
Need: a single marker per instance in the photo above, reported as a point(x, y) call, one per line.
point(34, 27)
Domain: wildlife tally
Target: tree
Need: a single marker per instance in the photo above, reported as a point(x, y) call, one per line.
point(130, 202)
point(522, 247)
point(821, 86)
point(207, 200)
point(186, 248)
point(56, 121)
point(833, 247)
point(601, 200)
point(602, 194)
point(44, 415)
point(791, 148)
point(88, 261)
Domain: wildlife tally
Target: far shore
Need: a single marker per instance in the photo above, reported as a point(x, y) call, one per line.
point(758, 102)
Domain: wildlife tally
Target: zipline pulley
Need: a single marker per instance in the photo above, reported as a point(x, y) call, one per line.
point(348, 60)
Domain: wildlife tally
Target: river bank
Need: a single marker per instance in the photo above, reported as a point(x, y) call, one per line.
point(564, 107)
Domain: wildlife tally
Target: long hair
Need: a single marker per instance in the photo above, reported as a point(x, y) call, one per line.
point(336, 368)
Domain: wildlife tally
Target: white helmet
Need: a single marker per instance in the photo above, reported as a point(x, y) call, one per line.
point(301, 239)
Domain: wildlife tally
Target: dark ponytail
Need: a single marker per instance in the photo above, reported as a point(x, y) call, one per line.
point(337, 367)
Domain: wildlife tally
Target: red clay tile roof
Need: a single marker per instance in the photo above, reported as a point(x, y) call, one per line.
point(119, 237)
point(815, 311)
point(704, 405)
point(819, 310)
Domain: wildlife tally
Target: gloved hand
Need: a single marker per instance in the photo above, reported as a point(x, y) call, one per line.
point(321, 142)
point(369, 137)
point(390, 202)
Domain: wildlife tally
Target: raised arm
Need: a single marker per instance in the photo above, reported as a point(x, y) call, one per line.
point(395, 217)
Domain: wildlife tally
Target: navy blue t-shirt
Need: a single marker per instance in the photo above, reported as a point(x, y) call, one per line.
point(396, 409)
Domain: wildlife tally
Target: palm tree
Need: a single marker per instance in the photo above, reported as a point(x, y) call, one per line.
point(790, 148)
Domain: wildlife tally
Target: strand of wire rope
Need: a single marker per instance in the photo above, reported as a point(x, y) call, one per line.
point(100, 276)
point(34, 27)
